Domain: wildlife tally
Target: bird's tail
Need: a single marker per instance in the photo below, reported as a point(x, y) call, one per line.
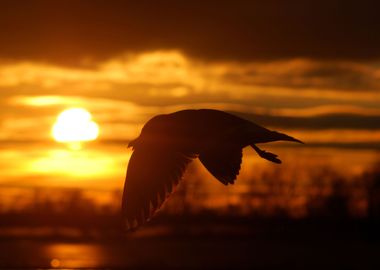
point(278, 136)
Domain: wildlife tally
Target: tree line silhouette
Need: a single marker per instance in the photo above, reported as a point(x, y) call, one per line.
point(330, 196)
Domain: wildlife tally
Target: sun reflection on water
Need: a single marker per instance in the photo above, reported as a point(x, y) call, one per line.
point(74, 255)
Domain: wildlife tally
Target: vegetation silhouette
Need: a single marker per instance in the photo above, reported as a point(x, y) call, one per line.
point(334, 205)
point(169, 142)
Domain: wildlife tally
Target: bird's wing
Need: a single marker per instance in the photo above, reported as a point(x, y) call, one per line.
point(151, 176)
point(223, 163)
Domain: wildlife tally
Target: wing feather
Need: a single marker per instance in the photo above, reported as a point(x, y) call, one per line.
point(223, 163)
point(151, 176)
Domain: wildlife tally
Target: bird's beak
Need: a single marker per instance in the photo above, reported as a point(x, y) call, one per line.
point(132, 143)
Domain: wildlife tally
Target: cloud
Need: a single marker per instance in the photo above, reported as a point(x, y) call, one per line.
point(137, 86)
point(125, 91)
point(319, 122)
point(308, 74)
point(170, 77)
point(181, 75)
point(34, 116)
point(79, 32)
point(337, 136)
point(122, 120)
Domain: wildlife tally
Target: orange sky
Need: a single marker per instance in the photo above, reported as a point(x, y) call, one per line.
point(123, 92)
point(269, 63)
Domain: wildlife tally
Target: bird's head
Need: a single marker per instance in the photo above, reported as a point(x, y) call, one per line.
point(150, 131)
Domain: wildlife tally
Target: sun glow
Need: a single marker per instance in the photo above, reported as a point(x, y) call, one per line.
point(75, 125)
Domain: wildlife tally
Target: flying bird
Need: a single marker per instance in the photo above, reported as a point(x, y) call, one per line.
point(169, 142)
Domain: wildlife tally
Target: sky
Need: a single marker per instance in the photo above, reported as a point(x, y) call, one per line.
point(71, 31)
point(308, 68)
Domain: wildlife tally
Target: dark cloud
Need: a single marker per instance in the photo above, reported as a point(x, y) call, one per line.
point(327, 121)
point(68, 31)
point(322, 75)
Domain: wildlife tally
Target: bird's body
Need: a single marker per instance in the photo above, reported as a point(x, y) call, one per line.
point(168, 143)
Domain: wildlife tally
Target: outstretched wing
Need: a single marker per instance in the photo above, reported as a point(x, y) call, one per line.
point(151, 176)
point(223, 163)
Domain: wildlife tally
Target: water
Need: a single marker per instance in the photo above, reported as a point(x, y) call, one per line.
point(190, 253)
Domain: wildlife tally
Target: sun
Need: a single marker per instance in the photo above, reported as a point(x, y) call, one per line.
point(75, 125)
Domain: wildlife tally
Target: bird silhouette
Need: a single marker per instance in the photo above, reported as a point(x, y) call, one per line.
point(169, 142)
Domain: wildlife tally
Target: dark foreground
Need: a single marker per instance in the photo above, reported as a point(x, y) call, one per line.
point(235, 246)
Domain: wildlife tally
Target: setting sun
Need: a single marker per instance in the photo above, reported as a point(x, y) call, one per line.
point(75, 125)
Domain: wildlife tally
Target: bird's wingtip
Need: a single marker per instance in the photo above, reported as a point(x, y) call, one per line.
point(131, 225)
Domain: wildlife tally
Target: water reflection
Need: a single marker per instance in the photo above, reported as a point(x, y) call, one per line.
point(55, 263)
point(66, 255)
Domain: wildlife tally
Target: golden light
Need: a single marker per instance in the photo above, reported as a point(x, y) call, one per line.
point(55, 263)
point(75, 125)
